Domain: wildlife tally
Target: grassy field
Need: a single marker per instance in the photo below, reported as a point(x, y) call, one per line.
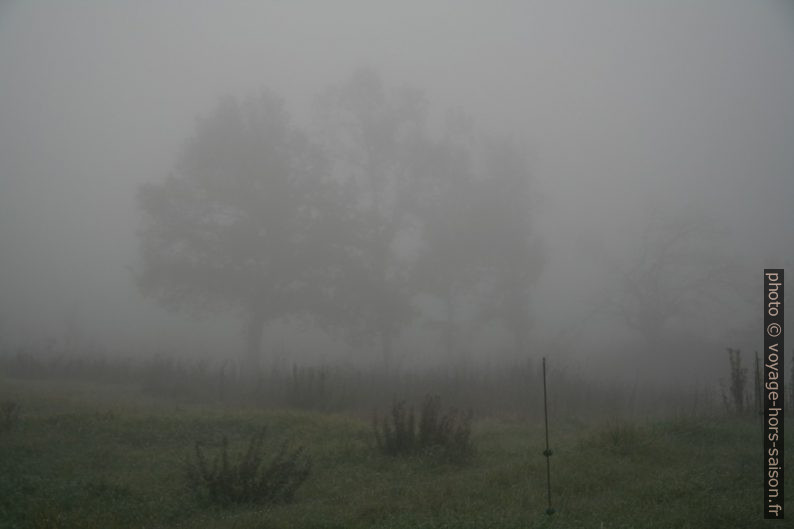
point(106, 456)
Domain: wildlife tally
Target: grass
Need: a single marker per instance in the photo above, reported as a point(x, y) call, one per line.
point(98, 456)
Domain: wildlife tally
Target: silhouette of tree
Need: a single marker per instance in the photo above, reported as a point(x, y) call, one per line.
point(376, 137)
point(677, 274)
point(246, 222)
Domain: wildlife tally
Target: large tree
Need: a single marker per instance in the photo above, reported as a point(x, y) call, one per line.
point(480, 250)
point(247, 221)
point(447, 267)
point(375, 136)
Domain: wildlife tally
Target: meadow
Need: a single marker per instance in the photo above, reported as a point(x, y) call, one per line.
point(112, 452)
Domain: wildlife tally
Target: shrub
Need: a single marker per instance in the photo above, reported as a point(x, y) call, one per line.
point(248, 480)
point(447, 435)
point(397, 436)
point(9, 415)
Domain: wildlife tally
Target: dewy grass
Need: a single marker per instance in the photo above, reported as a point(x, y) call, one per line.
point(117, 463)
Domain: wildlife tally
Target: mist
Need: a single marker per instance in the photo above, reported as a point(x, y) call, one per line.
point(656, 140)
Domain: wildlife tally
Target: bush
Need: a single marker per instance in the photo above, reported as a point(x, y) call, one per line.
point(9, 415)
point(248, 480)
point(448, 435)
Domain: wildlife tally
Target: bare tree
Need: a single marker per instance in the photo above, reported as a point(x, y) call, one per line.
point(678, 273)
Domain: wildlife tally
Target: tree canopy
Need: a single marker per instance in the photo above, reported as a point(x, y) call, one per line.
point(244, 221)
point(345, 228)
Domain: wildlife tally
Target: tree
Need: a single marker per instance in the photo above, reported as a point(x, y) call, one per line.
point(447, 267)
point(677, 275)
point(376, 137)
point(244, 222)
point(480, 250)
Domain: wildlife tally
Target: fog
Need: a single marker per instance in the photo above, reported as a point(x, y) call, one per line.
point(657, 139)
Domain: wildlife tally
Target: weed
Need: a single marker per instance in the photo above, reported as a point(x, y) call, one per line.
point(397, 436)
point(448, 435)
point(248, 480)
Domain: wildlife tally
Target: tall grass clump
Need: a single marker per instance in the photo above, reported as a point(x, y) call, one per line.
point(248, 480)
point(447, 435)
